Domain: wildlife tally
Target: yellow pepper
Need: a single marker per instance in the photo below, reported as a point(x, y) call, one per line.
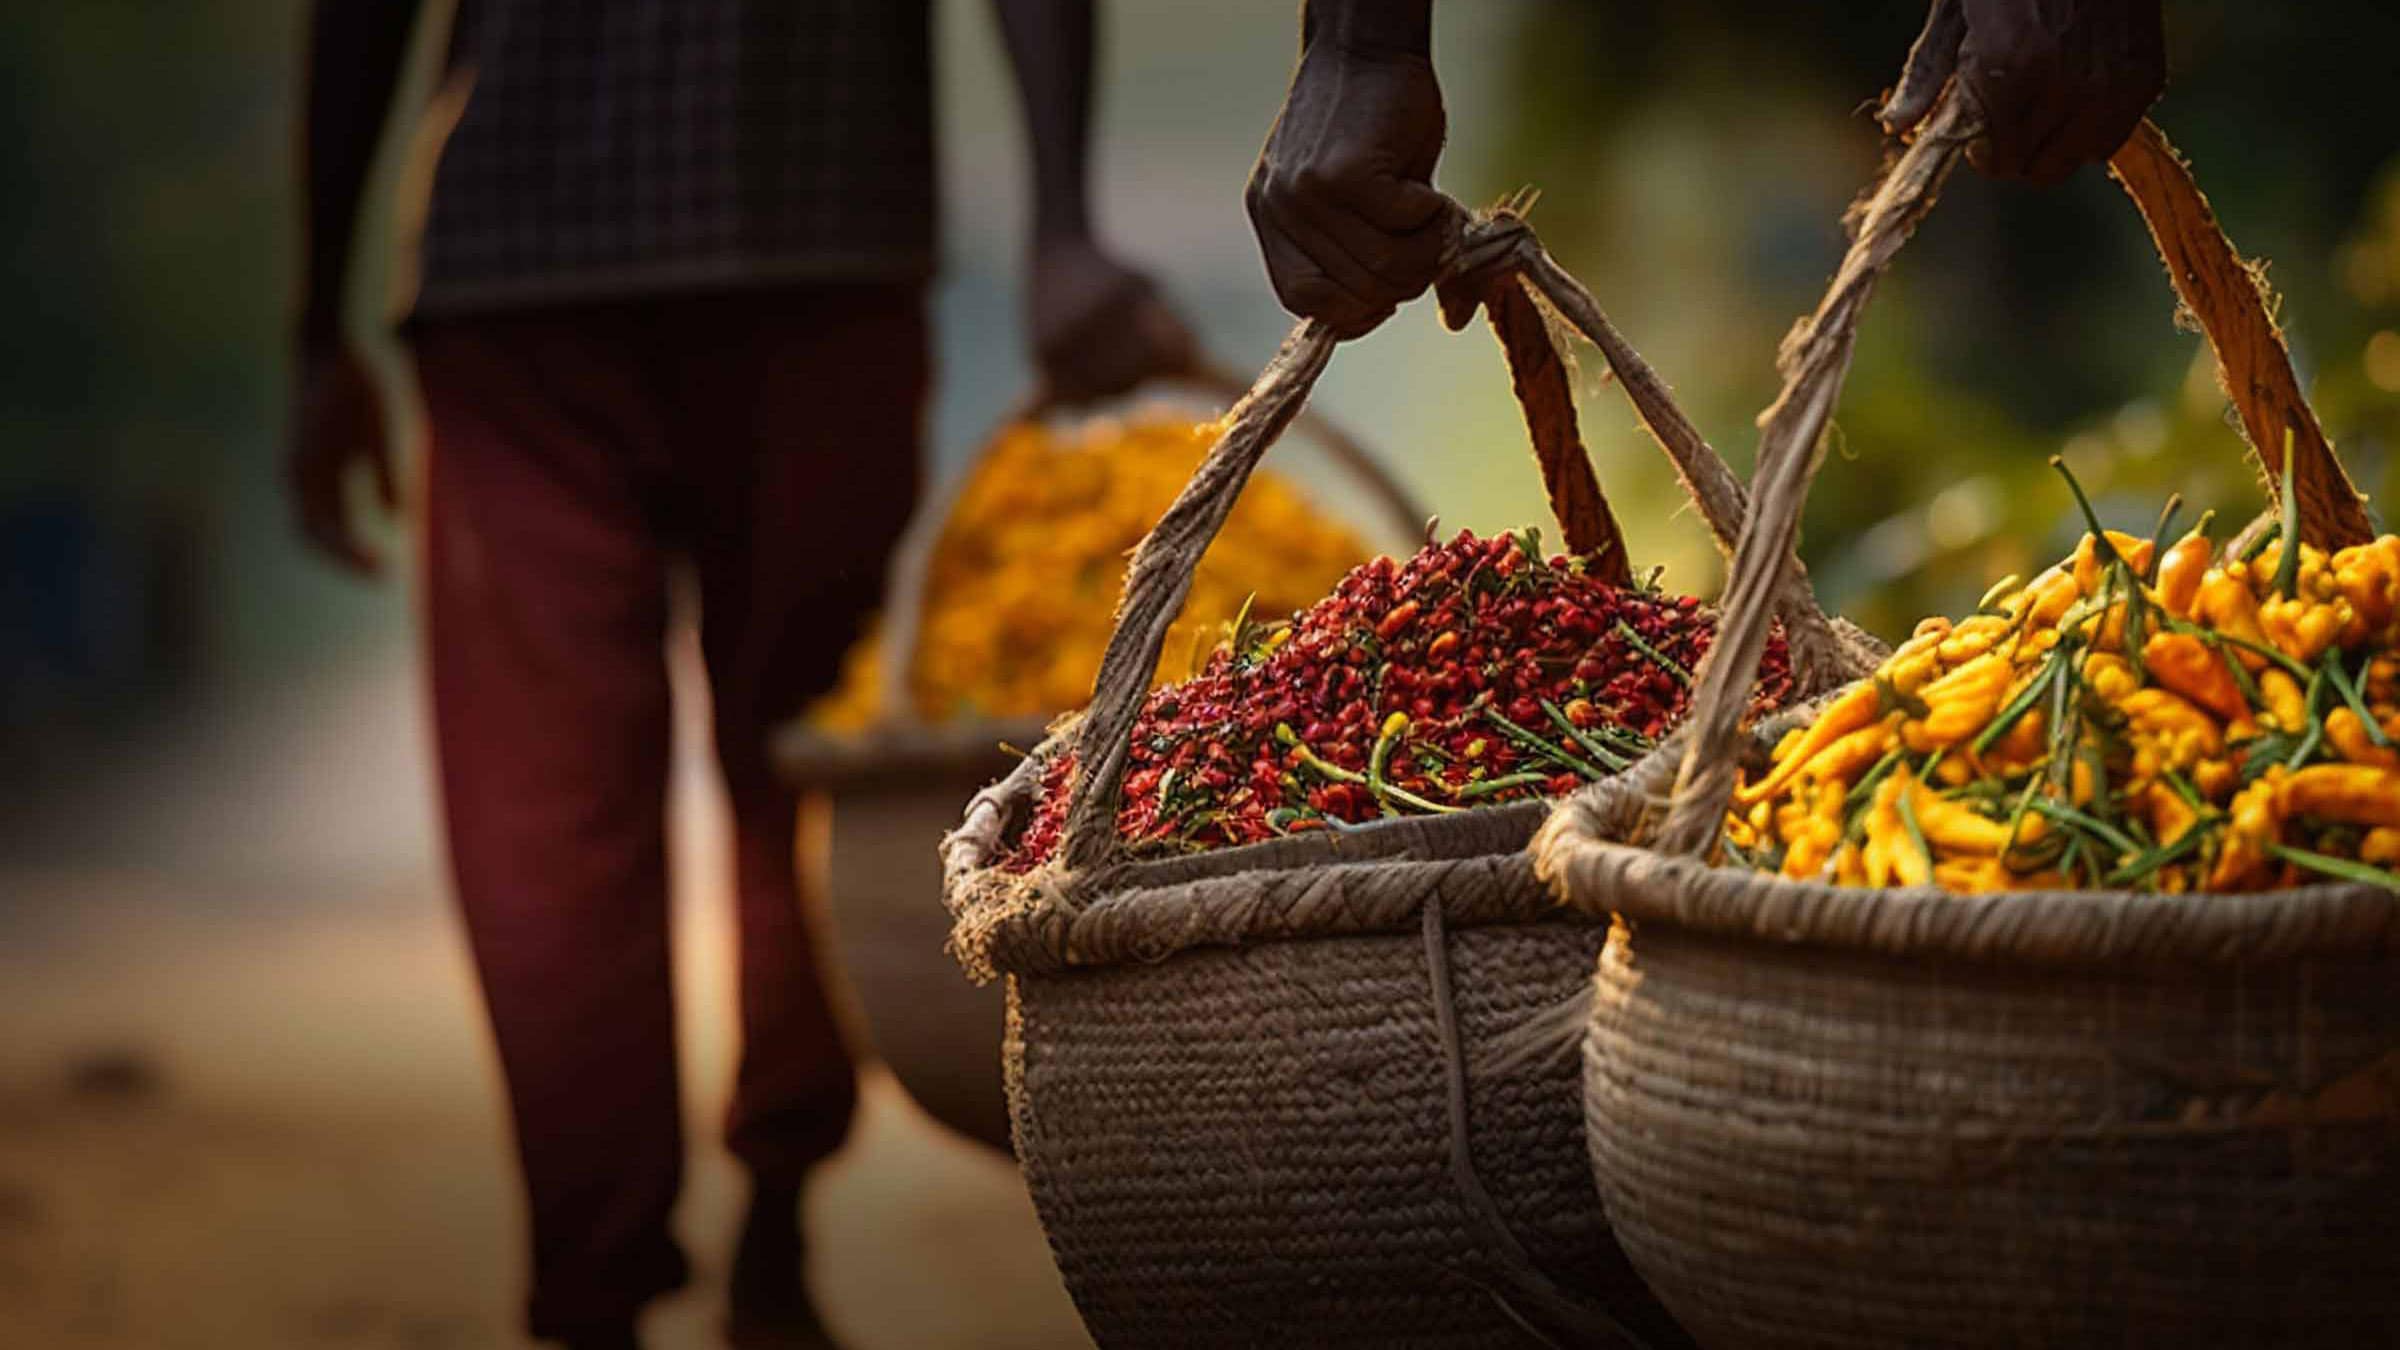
point(2347, 794)
point(2256, 821)
point(2183, 733)
point(2170, 815)
point(1954, 826)
point(2347, 733)
point(2193, 669)
point(1857, 710)
point(2136, 553)
point(2226, 605)
point(2180, 572)
point(1971, 639)
point(2304, 629)
point(1958, 704)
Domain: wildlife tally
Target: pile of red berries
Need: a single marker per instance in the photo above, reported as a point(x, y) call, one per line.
point(1475, 673)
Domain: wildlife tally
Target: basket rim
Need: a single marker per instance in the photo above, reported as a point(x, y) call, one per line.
point(1582, 855)
point(1376, 878)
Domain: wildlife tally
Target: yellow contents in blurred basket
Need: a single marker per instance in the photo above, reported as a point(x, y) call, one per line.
point(1022, 592)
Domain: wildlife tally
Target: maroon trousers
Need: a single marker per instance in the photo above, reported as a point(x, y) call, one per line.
point(770, 440)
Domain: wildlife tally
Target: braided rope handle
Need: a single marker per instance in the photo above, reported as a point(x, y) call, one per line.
point(909, 581)
point(1497, 258)
point(2221, 290)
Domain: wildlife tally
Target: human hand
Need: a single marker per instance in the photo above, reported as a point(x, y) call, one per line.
point(2059, 83)
point(337, 429)
point(1342, 197)
point(1098, 327)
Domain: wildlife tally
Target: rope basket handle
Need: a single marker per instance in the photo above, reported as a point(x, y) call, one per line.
point(2222, 291)
point(910, 579)
point(1496, 261)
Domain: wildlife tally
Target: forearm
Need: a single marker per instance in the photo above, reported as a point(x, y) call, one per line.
point(1050, 46)
point(356, 49)
point(1395, 27)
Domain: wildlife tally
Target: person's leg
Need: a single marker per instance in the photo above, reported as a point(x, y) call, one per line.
point(545, 609)
point(811, 403)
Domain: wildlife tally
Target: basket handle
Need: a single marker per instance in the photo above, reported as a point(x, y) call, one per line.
point(1496, 256)
point(911, 571)
point(2209, 276)
point(2230, 298)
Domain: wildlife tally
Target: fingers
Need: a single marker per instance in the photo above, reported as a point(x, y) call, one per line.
point(321, 511)
point(1348, 259)
point(337, 421)
point(2061, 86)
point(1397, 263)
point(1129, 338)
point(1300, 266)
point(1931, 61)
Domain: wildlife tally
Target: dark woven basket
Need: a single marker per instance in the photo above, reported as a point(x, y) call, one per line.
point(1841, 1117)
point(1319, 1091)
point(1823, 1116)
point(890, 792)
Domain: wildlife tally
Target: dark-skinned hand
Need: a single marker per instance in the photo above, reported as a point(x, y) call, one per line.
point(1098, 327)
point(337, 432)
point(1342, 197)
point(2060, 83)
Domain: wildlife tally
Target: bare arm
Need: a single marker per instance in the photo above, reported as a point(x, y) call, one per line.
point(1097, 326)
point(355, 52)
point(356, 49)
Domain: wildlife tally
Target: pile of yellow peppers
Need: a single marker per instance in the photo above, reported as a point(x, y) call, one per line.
point(1022, 591)
point(2135, 717)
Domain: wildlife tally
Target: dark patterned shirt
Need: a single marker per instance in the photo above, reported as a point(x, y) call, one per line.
point(616, 147)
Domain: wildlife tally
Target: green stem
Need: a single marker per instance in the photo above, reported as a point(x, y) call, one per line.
point(2017, 707)
point(1657, 657)
point(2350, 695)
point(1492, 787)
point(1916, 835)
point(2102, 549)
point(2062, 814)
point(1285, 736)
point(1558, 717)
point(1541, 747)
point(2143, 867)
point(2341, 869)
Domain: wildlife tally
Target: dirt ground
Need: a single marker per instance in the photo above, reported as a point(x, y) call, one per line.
point(246, 1098)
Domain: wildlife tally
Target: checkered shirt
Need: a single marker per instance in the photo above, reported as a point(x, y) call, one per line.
point(626, 147)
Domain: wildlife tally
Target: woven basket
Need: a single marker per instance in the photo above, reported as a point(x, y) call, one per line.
point(1849, 1117)
point(891, 792)
point(1321, 1090)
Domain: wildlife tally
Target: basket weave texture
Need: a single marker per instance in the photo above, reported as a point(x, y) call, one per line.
point(1837, 1117)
